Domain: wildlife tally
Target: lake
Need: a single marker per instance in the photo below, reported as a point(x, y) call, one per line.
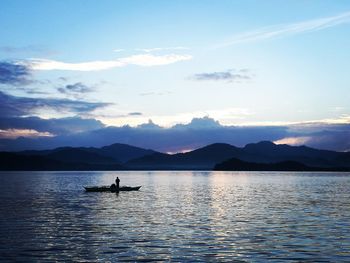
point(176, 216)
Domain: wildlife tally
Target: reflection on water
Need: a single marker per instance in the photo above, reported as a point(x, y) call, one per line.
point(176, 216)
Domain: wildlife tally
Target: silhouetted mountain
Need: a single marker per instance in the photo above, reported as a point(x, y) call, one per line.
point(267, 152)
point(17, 162)
point(201, 159)
point(123, 152)
point(238, 165)
point(262, 152)
point(112, 153)
point(134, 158)
point(76, 155)
point(70, 158)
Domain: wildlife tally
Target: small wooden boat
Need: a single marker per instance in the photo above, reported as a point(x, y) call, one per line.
point(110, 189)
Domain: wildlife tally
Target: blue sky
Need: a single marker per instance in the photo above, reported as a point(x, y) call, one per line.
point(246, 63)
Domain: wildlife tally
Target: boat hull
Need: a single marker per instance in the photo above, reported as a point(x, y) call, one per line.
point(109, 189)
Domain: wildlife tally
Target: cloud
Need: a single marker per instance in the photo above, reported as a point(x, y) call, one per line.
point(197, 133)
point(155, 93)
point(37, 49)
point(24, 106)
point(75, 90)
point(135, 114)
point(229, 76)
point(199, 123)
point(14, 74)
point(145, 60)
point(149, 125)
point(151, 60)
point(293, 140)
point(288, 29)
point(15, 133)
point(60, 126)
point(149, 50)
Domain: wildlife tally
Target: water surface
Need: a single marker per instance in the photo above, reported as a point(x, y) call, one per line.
point(176, 216)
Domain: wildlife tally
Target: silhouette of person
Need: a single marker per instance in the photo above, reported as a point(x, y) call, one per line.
point(117, 182)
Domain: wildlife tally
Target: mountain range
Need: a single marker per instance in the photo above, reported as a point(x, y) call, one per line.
point(220, 156)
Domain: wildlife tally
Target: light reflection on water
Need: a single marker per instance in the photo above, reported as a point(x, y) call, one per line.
point(176, 216)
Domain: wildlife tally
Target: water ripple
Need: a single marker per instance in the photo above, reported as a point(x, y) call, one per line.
point(176, 216)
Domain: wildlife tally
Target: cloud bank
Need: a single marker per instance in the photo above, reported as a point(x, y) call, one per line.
point(199, 132)
point(62, 126)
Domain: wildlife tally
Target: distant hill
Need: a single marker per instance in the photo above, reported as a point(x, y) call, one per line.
point(267, 152)
point(117, 152)
point(109, 157)
point(122, 156)
point(201, 159)
point(263, 152)
point(238, 165)
point(15, 162)
point(123, 152)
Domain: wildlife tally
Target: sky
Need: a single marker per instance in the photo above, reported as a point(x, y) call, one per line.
point(74, 67)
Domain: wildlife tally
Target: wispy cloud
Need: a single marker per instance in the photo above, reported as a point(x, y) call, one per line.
point(145, 60)
point(33, 49)
point(276, 31)
point(76, 90)
point(155, 93)
point(231, 75)
point(155, 49)
point(135, 113)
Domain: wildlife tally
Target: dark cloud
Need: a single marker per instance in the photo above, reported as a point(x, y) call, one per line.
point(76, 88)
point(229, 76)
point(14, 74)
point(12, 106)
point(55, 126)
point(135, 114)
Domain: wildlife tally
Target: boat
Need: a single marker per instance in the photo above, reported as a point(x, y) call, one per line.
point(109, 189)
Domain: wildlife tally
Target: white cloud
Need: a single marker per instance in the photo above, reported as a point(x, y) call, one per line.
point(227, 116)
point(295, 141)
point(145, 60)
point(148, 50)
point(288, 29)
point(151, 60)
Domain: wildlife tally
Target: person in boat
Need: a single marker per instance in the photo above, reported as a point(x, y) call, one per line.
point(117, 181)
point(113, 188)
